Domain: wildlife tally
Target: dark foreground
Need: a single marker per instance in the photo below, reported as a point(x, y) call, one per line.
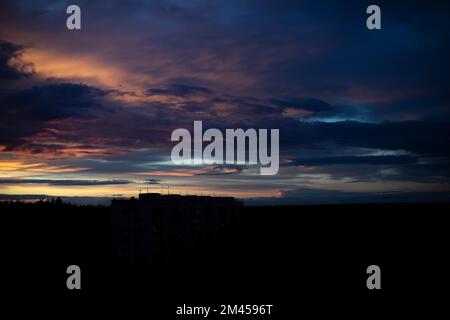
point(298, 258)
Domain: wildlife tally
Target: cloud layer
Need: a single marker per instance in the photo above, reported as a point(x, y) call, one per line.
point(358, 111)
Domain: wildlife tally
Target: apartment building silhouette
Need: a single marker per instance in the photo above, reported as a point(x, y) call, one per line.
point(162, 229)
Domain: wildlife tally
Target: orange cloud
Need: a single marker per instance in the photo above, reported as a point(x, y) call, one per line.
point(19, 167)
point(87, 69)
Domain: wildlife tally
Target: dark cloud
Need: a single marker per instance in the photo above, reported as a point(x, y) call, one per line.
point(420, 137)
point(64, 182)
point(309, 104)
point(11, 66)
point(425, 170)
point(352, 160)
point(438, 173)
point(316, 109)
point(52, 101)
point(179, 90)
point(152, 181)
point(26, 112)
point(222, 170)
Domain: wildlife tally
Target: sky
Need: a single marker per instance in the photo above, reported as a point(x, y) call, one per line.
point(363, 114)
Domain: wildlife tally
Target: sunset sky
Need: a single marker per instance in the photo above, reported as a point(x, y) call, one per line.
point(363, 115)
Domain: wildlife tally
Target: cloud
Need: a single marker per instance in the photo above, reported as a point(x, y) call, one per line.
point(52, 101)
point(352, 160)
point(419, 137)
point(64, 182)
point(220, 63)
point(11, 66)
point(307, 104)
point(152, 181)
point(219, 170)
point(27, 111)
point(179, 90)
